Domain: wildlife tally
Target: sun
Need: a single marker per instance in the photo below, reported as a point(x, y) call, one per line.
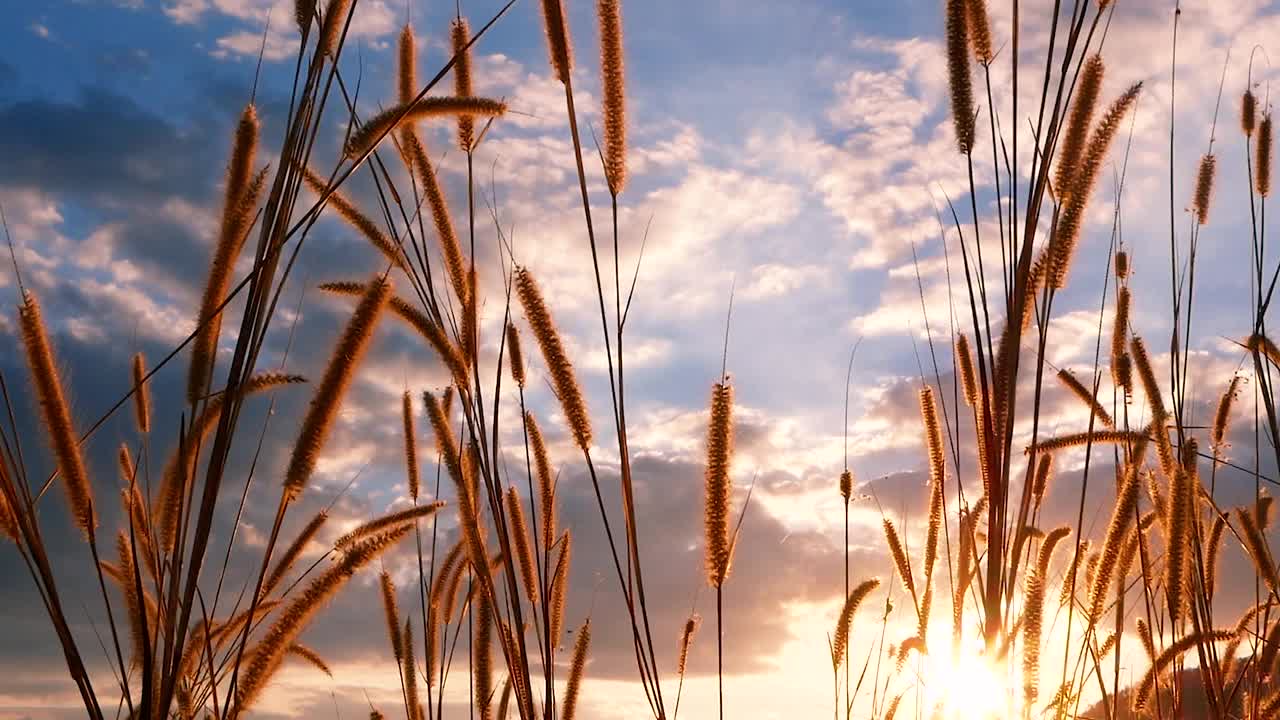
point(968, 685)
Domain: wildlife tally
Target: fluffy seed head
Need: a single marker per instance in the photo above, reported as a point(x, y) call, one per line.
point(454, 263)
point(1120, 333)
point(980, 31)
point(1181, 501)
point(1172, 652)
point(553, 353)
point(962, 113)
point(899, 557)
point(1044, 469)
point(933, 436)
point(515, 355)
point(416, 319)
point(1262, 164)
point(1121, 517)
point(407, 77)
point(410, 445)
point(460, 34)
point(1222, 417)
point(1248, 112)
point(391, 520)
point(577, 668)
point(545, 481)
point(8, 521)
point(240, 197)
point(55, 413)
point(372, 131)
point(1033, 614)
point(363, 224)
point(686, 640)
point(523, 547)
point(180, 468)
point(1071, 153)
point(846, 485)
point(1252, 538)
point(612, 83)
point(303, 11)
point(560, 587)
point(335, 19)
point(1204, 188)
point(840, 640)
point(324, 407)
point(141, 394)
point(392, 610)
point(1080, 439)
point(270, 651)
point(718, 486)
point(558, 46)
point(1081, 184)
point(1069, 380)
point(409, 667)
point(1122, 265)
point(968, 376)
point(293, 552)
point(482, 655)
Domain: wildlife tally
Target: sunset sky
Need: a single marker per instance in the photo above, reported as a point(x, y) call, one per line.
point(797, 152)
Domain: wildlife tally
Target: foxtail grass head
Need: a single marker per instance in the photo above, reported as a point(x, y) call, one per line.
point(718, 486)
point(962, 109)
point(613, 86)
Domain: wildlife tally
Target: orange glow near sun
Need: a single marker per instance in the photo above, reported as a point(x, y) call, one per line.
point(968, 686)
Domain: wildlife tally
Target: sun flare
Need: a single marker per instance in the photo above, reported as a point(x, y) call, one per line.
point(968, 685)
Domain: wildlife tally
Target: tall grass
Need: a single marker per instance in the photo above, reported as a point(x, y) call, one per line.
point(183, 645)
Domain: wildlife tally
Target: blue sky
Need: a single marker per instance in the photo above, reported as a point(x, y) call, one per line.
point(796, 151)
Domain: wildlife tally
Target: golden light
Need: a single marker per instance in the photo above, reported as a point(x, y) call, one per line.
point(967, 685)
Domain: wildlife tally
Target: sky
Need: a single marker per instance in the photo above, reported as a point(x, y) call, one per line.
point(796, 154)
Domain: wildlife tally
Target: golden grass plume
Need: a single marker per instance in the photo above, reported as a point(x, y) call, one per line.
point(515, 355)
point(577, 669)
point(840, 639)
point(553, 353)
point(239, 197)
point(410, 445)
point(449, 353)
point(1083, 106)
point(141, 394)
point(372, 131)
point(407, 516)
point(347, 210)
point(1248, 113)
point(293, 552)
point(270, 651)
point(523, 548)
point(560, 49)
point(407, 65)
point(1072, 383)
point(1262, 162)
point(335, 19)
point(460, 34)
point(1033, 614)
point(347, 352)
point(1204, 188)
point(962, 112)
point(718, 485)
point(392, 610)
point(613, 86)
point(482, 655)
point(55, 413)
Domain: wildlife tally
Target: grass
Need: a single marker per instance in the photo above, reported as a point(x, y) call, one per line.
point(181, 644)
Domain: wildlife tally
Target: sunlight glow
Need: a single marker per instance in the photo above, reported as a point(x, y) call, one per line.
point(968, 686)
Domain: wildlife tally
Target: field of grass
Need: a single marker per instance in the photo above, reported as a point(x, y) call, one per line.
point(1012, 615)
